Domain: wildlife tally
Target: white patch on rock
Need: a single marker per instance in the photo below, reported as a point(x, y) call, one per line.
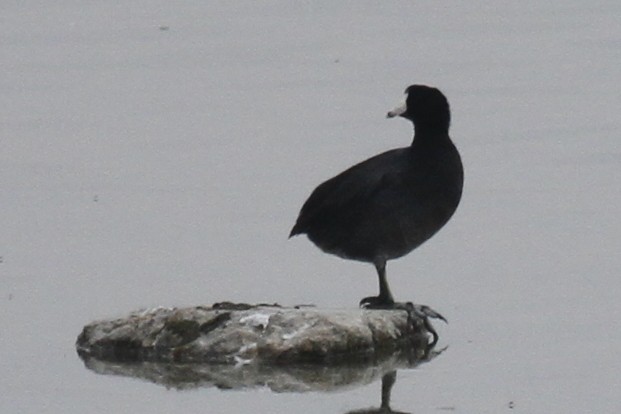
point(293, 334)
point(256, 320)
point(246, 348)
point(241, 358)
point(152, 311)
point(239, 361)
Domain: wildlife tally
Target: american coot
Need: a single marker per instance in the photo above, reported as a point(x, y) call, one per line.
point(388, 205)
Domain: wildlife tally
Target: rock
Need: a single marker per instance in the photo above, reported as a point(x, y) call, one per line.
point(241, 334)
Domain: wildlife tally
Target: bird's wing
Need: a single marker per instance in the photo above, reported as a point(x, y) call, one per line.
point(349, 190)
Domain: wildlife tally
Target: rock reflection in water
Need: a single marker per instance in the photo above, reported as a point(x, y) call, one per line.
point(289, 378)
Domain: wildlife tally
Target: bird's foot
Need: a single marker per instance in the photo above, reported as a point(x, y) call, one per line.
point(423, 312)
point(414, 312)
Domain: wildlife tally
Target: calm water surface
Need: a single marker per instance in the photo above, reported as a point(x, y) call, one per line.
point(157, 154)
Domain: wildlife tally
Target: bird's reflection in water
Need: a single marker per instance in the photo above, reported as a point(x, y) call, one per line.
point(388, 380)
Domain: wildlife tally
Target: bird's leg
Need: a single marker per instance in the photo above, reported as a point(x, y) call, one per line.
point(384, 300)
point(416, 313)
point(384, 294)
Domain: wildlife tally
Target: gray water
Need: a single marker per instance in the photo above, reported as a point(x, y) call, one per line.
point(154, 154)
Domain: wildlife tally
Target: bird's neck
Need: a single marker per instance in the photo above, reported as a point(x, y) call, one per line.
point(430, 133)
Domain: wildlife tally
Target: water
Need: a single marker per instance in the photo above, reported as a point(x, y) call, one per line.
point(158, 154)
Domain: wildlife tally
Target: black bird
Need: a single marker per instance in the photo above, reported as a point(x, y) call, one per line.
point(386, 206)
